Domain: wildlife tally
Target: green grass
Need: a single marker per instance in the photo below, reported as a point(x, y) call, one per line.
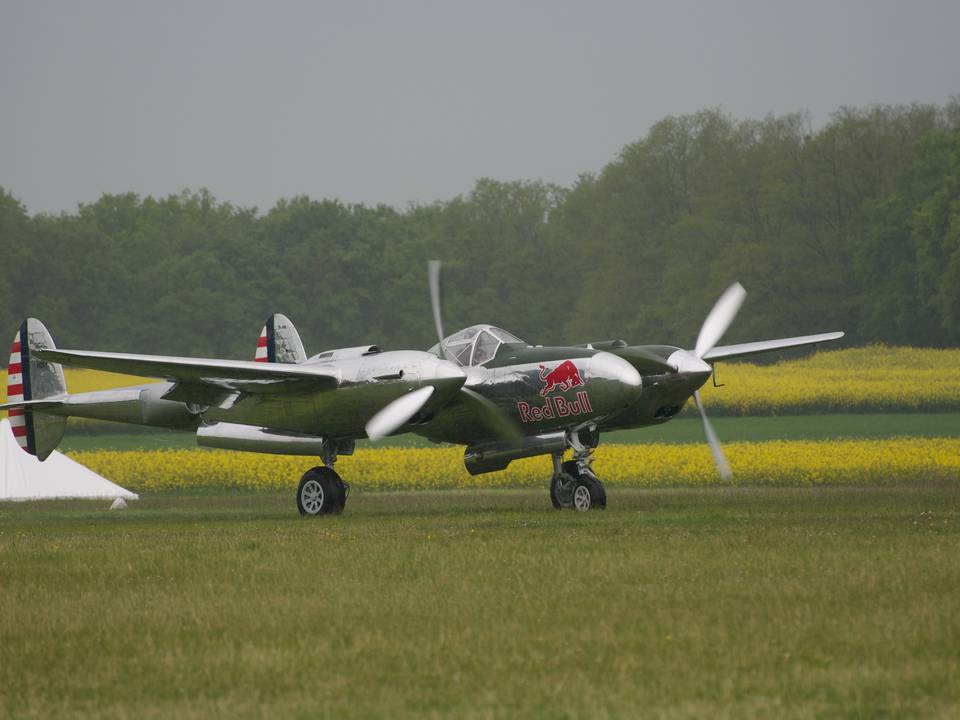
point(678, 430)
point(814, 602)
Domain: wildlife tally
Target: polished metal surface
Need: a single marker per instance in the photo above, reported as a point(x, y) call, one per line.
point(542, 397)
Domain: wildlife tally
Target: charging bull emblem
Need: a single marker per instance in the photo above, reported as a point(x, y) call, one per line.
point(563, 376)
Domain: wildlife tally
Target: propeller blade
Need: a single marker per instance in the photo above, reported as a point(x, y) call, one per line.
point(719, 319)
point(433, 272)
point(397, 413)
point(496, 419)
point(723, 467)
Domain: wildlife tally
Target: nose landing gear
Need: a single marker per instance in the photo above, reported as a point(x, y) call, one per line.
point(574, 484)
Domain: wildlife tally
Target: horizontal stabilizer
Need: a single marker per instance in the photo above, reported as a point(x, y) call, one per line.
point(50, 402)
point(66, 401)
point(754, 348)
point(240, 375)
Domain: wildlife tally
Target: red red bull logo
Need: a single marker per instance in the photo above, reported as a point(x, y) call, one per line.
point(564, 376)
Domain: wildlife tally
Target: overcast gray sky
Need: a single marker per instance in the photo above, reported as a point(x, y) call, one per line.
point(412, 101)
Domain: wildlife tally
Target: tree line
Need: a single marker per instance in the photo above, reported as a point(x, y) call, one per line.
point(853, 226)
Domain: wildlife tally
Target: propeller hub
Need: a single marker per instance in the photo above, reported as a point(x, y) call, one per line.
point(688, 363)
point(440, 370)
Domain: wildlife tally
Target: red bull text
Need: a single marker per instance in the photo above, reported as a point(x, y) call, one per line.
point(555, 407)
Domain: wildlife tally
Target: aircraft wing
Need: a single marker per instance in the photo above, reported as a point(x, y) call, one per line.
point(724, 352)
point(230, 375)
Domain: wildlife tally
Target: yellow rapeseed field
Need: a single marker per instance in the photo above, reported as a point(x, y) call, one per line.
point(765, 463)
point(869, 379)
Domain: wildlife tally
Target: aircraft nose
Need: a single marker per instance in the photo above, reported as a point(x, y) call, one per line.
point(688, 363)
point(610, 367)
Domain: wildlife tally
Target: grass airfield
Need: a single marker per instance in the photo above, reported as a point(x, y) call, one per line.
point(718, 601)
point(712, 602)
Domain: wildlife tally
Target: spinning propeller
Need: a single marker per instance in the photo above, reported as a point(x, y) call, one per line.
point(687, 361)
point(497, 420)
point(398, 413)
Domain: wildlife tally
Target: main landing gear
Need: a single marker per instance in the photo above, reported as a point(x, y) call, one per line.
point(574, 485)
point(321, 491)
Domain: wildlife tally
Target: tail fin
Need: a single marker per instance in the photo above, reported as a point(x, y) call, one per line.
point(279, 342)
point(30, 379)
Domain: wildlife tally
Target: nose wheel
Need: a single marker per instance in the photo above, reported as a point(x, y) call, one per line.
point(574, 484)
point(576, 488)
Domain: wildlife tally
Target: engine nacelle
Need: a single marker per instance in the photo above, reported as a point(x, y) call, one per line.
point(345, 353)
point(158, 411)
point(489, 457)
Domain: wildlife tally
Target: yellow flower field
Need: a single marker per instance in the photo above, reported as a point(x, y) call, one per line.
point(766, 463)
point(869, 379)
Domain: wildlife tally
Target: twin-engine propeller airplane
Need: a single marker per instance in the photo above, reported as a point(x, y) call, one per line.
point(481, 387)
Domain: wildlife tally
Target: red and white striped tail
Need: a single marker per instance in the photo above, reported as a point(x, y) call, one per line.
point(262, 354)
point(15, 389)
point(38, 432)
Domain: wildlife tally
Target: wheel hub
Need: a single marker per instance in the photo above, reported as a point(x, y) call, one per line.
point(581, 498)
point(312, 496)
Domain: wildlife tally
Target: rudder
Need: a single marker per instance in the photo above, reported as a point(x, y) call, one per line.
point(279, 342)
point(29, 378)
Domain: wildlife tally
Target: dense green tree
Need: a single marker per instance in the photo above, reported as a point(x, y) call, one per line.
point(853, 226)
point(909, 261)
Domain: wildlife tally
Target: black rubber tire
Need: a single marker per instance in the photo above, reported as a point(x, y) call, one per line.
point(325, 493)
point(554, 499)
point(569, 468)
point(594, 491)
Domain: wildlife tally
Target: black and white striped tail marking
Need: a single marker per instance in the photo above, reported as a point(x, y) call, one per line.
point(18, 390)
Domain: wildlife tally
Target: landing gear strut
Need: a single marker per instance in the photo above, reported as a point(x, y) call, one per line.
point(321, 491)
point(574, 484)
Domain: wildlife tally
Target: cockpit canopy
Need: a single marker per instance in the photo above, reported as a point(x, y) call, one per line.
point(476, 344)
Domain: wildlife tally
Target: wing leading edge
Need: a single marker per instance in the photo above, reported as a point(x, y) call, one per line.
point(233, 375)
